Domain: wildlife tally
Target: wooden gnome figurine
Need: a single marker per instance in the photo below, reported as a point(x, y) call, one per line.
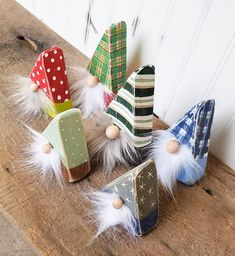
point(181, 151)
point(130, 201)
point(46, 88)
point(106, 72)
point(61, 149)
point(126, 124)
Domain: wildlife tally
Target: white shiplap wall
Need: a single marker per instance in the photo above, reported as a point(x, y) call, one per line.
point(191, 43)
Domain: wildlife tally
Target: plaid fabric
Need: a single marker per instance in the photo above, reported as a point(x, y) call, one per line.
point(132, 108)
point(194, 128)
point(108, 63)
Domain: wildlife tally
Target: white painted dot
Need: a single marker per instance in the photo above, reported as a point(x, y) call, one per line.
point(61, 82)
point(77, 120)
point(52, 60)
point(48, 70)
point(81, 154)
point(66, 100)
point(43, 80)
point(46, 54)
point(65, 72)
point(61, 57)
point(33, 74)
point(53, 89)
point(58, 97)
point(58, 68)
point(61, 121)
point(65, 139)
point(66, 92)
point(73, 138)
point(79, 129)
point(38, 73)
point(54, 78)
point(72, 154)
point(45, 89)
point(38, 83)
point(63, 130)
point(55, 51)
point(40, 67)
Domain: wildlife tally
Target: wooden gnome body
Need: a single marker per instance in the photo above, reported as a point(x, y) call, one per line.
point(181, 151)
point(126, 125)
point(194, 130)
point(106, 72)
point(132, 199)
point(49, 75)
point(61, 148)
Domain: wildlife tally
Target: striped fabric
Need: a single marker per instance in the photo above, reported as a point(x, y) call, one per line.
point(194, 128)
point(132, 108)
point(108, 63)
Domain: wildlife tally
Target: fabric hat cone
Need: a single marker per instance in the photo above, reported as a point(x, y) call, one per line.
point(49, 73)
point(108, 63)
point(130, 201)
point(132, 108)
point(61, 148)
point(181, 152)
point(125, 128)
point(106, 72)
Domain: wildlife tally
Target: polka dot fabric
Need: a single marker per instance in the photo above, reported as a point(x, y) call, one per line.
point(49, 73)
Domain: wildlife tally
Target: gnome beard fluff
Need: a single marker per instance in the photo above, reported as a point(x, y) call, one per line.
point(28, 98)
point(105, 151)
point(171, 158)
point(88, 94)
point(41, 154)
point(110, 211)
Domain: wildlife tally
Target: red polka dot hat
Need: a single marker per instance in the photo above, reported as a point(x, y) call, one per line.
point(49, 74)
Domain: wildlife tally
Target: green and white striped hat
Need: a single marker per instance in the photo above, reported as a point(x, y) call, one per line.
point(132, 108)
point(108, 63)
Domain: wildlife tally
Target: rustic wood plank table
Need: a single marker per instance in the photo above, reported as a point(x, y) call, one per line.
point(200, 221)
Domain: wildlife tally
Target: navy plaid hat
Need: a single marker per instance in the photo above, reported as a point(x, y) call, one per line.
point(194, 128)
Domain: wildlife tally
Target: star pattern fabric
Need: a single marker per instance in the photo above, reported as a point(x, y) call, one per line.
point(138, 189)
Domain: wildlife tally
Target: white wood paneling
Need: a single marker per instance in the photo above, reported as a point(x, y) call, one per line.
point(191, 43)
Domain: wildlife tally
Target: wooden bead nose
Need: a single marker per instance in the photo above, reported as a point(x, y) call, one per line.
point(33, 87)
point(112, 132)
point(92, 81)
point(117, 203)
point(46, 148)
point(172, 146)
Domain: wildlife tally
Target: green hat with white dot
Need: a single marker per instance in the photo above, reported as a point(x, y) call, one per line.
point(66, 134)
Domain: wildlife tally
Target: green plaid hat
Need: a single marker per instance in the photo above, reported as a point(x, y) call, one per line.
point(132, 108)
point(108, 63)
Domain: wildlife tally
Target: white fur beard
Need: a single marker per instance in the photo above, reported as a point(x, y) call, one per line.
point(28, 103)
point(106, 216)
point(47, 164)
point(169, 165)
point(89, 99)
point(108, 153)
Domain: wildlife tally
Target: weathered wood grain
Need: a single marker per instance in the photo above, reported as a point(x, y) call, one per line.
point(200, 221)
